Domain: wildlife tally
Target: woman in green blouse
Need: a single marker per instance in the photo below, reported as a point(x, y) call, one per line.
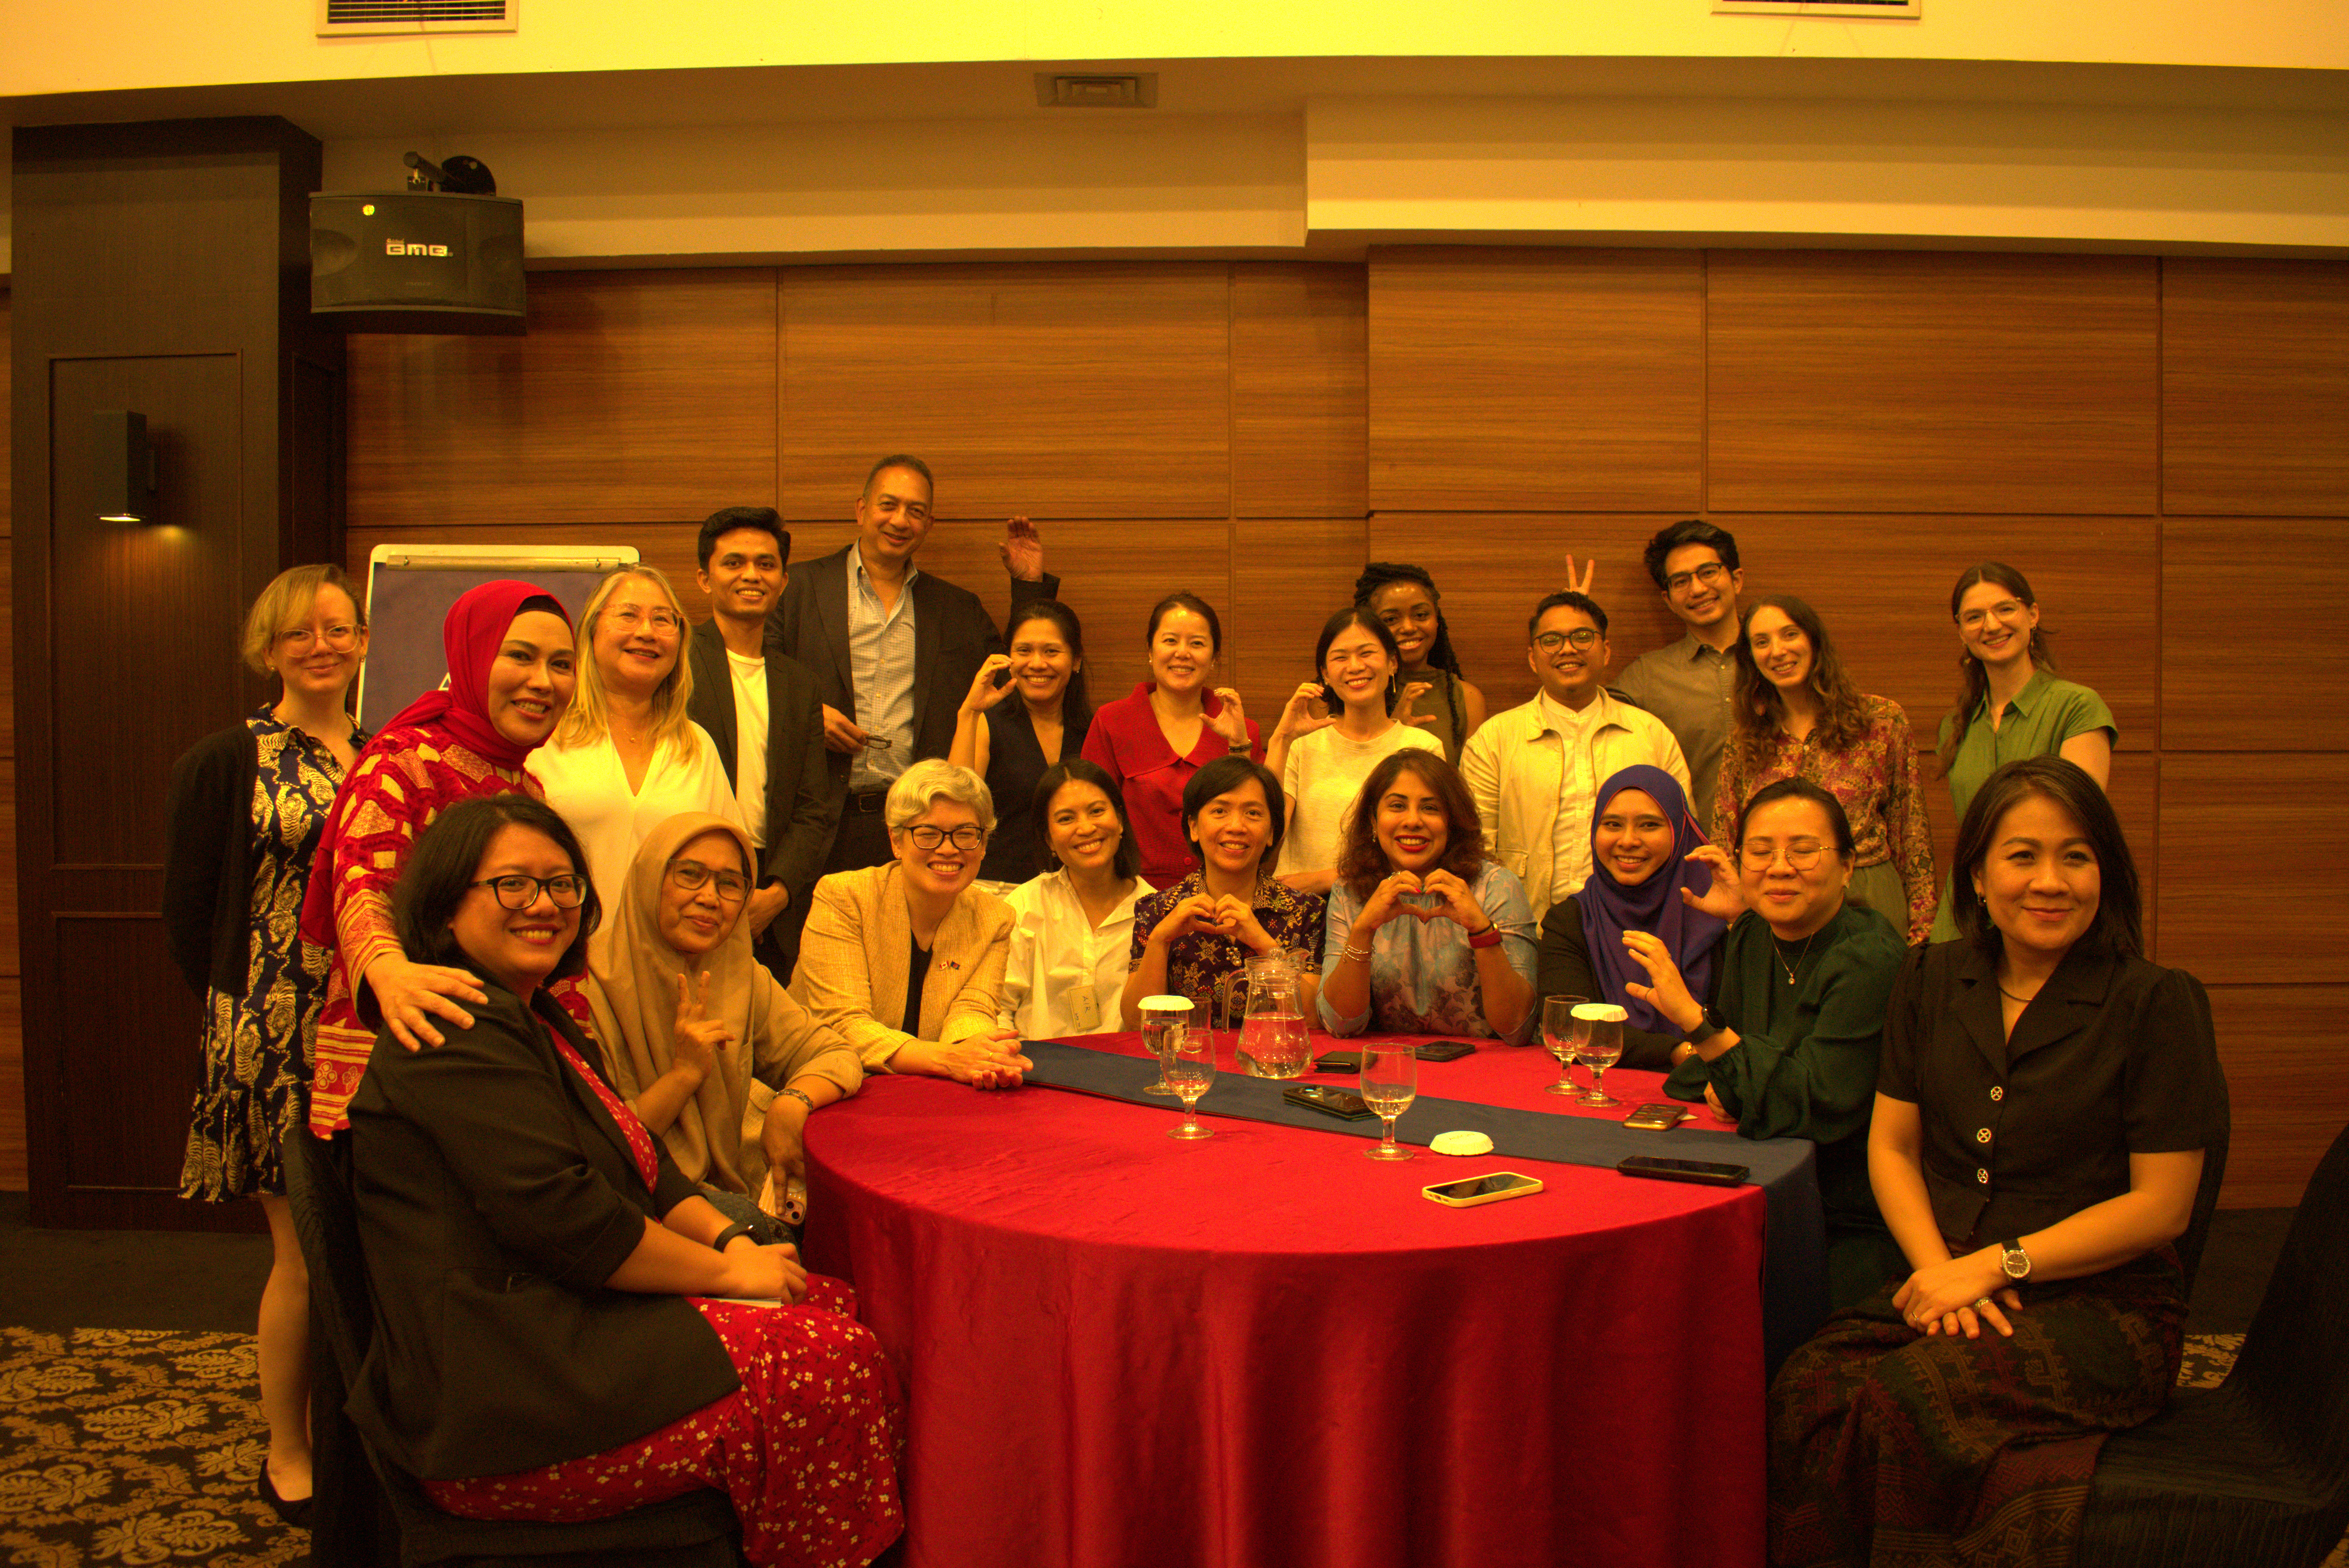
point(2009, 704)
point(1790, 1049)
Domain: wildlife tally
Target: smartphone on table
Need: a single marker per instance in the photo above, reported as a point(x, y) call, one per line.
point(1470, 1190)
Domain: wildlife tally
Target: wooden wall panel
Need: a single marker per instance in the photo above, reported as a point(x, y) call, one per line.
point(2255, 387)
point(2251, 848)
point(1505, 381)
point(13, 1173)
point(1931, 382)
point(1300, 395)
point(1881, 584)
point(1078, 389)
point(1492, 568)
point(2281, 1047)
point(2259, 655)
point(1288, 577)
point(636, 395)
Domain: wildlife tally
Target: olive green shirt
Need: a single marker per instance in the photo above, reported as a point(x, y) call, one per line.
point(2035, 722)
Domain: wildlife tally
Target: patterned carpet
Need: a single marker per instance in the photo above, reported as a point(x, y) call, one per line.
point(139, 1447)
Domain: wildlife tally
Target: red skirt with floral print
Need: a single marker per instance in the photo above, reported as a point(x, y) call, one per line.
point(807, 1447)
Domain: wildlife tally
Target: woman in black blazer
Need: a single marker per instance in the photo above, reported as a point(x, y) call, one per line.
point(541, 1351)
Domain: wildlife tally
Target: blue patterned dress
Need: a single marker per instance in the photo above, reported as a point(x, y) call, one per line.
point(256, 1066)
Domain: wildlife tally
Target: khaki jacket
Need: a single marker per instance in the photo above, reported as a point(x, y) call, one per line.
point(1513, 765)
point(852, 959)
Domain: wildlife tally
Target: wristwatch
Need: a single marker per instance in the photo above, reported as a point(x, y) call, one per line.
point(2015, 1260)
point(1712, 1024)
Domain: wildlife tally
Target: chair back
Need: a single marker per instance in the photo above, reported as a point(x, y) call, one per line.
point(318, 1195)
point(2292, 1355)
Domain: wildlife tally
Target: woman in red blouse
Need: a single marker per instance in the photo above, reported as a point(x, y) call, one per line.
point(1798, 715)
point(1172, 725)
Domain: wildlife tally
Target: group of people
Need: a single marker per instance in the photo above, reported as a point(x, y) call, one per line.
point(574, 947)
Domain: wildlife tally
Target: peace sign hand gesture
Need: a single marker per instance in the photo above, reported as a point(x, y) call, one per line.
point(697, 1038)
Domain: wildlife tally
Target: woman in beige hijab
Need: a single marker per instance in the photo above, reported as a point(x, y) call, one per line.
point(713, 1055)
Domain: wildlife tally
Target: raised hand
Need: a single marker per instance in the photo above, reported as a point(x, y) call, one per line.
point(1459, 905)
point(1666, 991)
point(1022, 550)
point(1230, 723)
point(695, 1038)
point(984, 692)
point(1412, 692)
point(1299, 718)
point(1386, 901)
point(1195, 913)
point(1725, 899)
point(1235, 916)
point(1590, 570)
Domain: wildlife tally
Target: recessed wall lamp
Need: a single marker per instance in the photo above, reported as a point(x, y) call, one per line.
point(123, 466)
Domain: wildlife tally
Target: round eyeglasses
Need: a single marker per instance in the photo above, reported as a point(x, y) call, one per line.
point(518, 892)
point(1580, 638)
point(1802, 854)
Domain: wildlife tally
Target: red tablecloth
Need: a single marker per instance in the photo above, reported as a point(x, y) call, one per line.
point(1266, 1351)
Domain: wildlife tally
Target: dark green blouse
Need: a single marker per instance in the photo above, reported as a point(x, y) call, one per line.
point(1805, 1064)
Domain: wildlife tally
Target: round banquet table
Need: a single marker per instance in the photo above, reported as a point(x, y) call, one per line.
point(1263, 1350)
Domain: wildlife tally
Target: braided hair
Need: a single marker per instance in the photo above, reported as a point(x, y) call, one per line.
point(1380, 574)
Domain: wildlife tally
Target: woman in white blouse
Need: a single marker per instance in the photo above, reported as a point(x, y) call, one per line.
point(1323, 761)
point(628, 757)
point(1069, 951)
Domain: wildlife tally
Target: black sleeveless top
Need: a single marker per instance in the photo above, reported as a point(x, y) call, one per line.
point(1015, 762)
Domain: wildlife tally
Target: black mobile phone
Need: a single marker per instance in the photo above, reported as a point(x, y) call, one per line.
point(1338, 1062)
point(1445, 1050)
point(1703, 1171)
point(1657, 1116)
point(1343, 1104)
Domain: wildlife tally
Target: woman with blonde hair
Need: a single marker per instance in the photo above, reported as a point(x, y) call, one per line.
point(905, 959)
point(246, 809)
point(628, 757)
point(1800, 715)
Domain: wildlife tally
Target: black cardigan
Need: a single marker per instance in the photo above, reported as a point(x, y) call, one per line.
point(208, 859)
point(495, 1196)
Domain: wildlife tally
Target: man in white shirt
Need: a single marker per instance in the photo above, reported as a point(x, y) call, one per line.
point(1535, 770)
point(762, 711)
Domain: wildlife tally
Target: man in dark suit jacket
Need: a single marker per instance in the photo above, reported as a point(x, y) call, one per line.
point(745, 556)
point(848, 610)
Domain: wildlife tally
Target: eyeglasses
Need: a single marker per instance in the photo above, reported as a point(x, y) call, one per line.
point(733, 887)
point(1710, 573)
point(967, 838)
point(1579, 639)
point(1802, 854)
point(628, 617)
point(519, 892)
point(302, 639)
point(2005, 609)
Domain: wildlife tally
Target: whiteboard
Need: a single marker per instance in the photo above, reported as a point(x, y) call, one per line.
point(410, 588)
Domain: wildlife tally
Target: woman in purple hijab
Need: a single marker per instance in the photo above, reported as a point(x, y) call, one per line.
point(1641, 839)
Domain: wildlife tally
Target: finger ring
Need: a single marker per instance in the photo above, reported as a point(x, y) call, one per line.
point(1981, 1302)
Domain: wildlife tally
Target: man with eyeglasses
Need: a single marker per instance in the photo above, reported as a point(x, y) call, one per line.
point(1535, 770)
point(893, 649)
point(1690, 685)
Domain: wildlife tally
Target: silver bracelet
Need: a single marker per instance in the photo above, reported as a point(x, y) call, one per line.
point(798, 1095)
point(1359, 954)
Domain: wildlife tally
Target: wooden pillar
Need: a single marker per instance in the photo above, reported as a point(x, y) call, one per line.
point(162, 267)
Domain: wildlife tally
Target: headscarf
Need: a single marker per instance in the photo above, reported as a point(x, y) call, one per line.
point(634, 974)
point(1610, 908)
point(471, 636)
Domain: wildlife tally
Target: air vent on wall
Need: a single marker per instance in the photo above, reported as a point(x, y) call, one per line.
point(358, 18)
point(1097, 92)
point(1893, 9)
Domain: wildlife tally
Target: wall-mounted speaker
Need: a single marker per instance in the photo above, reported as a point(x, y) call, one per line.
point(422, 260)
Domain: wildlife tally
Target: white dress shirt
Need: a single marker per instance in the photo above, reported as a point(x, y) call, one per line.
point(1065, 977)
point(750, 742)
point(588, 787)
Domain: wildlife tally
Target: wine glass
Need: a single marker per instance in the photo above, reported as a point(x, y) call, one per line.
point(1390, 1083)
point(1163, 1019)
point(1561, 1032)
point(1602, 1049)
point(1190, 1067)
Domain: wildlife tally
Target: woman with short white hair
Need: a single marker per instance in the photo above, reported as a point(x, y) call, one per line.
point(905, 959)
point(628, 757)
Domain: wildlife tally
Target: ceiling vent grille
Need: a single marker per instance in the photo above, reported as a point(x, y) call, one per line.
point(1062, 92)
point(357, 18)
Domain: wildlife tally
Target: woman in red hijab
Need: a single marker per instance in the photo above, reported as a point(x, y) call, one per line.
point(510, 676)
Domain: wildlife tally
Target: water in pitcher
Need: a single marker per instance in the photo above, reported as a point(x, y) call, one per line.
point(1274, 1046)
